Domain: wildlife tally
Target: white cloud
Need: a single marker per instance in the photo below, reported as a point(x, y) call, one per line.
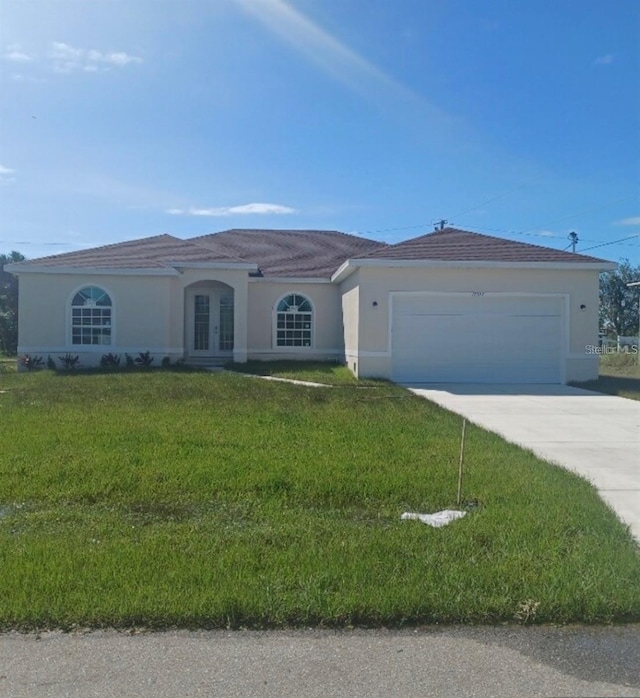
point(634, 220)
point(64, 58)
point(256, 208)
point(604, 60)
point(69, 59)
point(297, 29)
point(118, 58)
point(19, 77)
point(63, 51)
point(336, 58)
point(17, 56)
point(6, 175)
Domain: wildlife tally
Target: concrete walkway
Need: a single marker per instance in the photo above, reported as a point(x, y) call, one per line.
point(595, 435)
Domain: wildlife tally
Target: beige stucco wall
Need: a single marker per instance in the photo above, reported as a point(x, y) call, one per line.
point(376, 285)
point(350, 291)
point(350, 319)
point(142, 313)
point(148, 312)
point(328, 340)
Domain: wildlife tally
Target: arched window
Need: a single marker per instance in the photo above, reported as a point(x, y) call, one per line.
point(91, 316)
point(294, 321)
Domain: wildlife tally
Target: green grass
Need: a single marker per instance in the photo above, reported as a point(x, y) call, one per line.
point(314, 371)
point(7, 364)
point(619, 375)
point(211, 500)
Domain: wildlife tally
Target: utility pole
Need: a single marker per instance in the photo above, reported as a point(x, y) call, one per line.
point(441, 224)
point(574, 241)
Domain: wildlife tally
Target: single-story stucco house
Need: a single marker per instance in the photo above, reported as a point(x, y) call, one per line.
point(448, 306)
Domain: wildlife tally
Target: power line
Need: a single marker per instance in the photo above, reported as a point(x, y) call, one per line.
point(613, 242)
point(529, 231)
point(580, 213)
point(491, 200)
point(540, 235)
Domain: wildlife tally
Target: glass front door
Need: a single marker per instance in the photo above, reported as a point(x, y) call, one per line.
point(202, 339)
point(211, 323)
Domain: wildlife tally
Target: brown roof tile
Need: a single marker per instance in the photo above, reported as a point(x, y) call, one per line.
point(291, 253)
point(456, 245)
point(146, 253)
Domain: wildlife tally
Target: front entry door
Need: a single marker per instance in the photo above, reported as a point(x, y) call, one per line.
point(210, 323)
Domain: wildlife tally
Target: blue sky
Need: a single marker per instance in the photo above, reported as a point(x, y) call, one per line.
point(124, 119)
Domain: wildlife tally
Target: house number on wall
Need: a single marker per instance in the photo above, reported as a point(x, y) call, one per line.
point(475, 294)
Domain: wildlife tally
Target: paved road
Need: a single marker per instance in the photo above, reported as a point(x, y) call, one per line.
point(595, 435)
point(500, 662)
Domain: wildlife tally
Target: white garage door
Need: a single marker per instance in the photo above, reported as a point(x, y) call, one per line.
point(465, 338)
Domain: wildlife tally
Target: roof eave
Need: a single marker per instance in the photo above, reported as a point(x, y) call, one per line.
point(168, 268)
point(344, 270)
point(351, 264)
point(290, 279)
point(249, 266)
point(111, 271)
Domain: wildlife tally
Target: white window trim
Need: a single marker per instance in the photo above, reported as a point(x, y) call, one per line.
point(69, 319)
point(274, 324)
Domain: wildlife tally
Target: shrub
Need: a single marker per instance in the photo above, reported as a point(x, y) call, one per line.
point(129, 360)
point(144, 358)
point(110, 360)
point(51, 364)
point(31, 363)
point(166, 362)
point(68, 361)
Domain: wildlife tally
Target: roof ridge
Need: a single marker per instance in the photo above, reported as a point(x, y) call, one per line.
point(192, 242)
point(313, 231)
point(291, 251)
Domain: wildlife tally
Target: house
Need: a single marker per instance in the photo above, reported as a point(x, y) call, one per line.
point(448, 306)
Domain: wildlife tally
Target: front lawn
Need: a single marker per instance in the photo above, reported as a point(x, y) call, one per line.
point(195, 499)
point(7, 364)
point(314, 371)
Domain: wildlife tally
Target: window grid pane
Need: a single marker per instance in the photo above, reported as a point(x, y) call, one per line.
point(294, 322)
point(201, 323)
point(226, 323)
point(91, 317)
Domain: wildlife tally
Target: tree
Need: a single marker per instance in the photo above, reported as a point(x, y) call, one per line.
point(619, 303)
point(9, 304)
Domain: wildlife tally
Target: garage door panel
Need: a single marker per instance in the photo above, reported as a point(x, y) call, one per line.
point(461, 304)
point(501, 339)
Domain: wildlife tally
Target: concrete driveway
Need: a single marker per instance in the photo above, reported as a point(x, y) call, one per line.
point(595, 435)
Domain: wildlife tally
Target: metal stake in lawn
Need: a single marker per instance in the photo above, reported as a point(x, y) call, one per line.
point(464, 424)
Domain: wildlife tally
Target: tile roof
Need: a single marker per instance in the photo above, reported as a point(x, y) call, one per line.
point(291, 253)
point(456, 245)
point(302, 253)
point(146, 253)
